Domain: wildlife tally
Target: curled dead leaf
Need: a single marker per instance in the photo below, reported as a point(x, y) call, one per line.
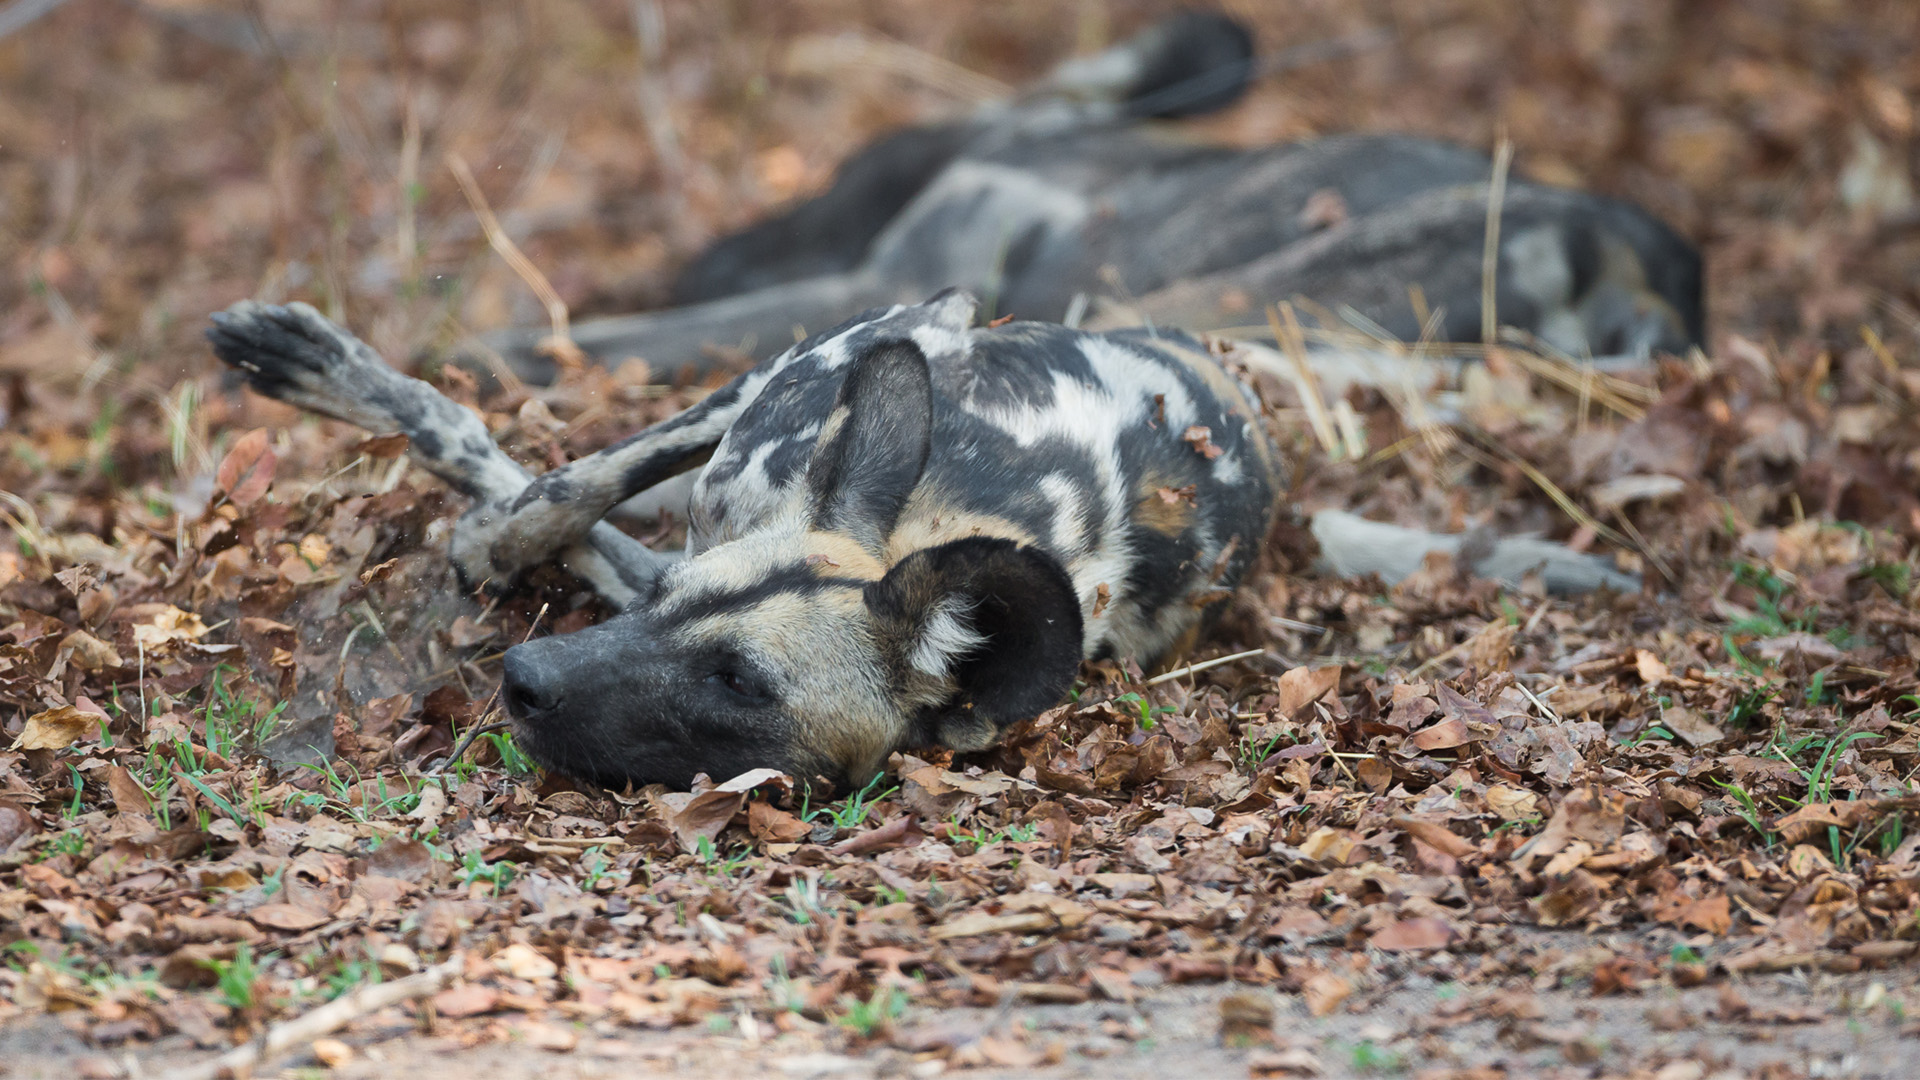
point(1412, 935)
point(383, 446)
point(293, 918)
point(1324, 993)
point(169, 628)
point(1446, 734)
point(89, 653)
point(696, 816)
point(56, 729)
point(246, 471)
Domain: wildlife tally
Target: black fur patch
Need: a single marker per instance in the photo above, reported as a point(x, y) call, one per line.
point(1018, 598)
point(861, 479)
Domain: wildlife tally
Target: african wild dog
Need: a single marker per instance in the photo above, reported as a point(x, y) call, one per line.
point(1073, 202)
point(907, 530)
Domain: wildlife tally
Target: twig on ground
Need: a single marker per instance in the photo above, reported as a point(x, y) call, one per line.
point(1180, 673)
point(324, 1020)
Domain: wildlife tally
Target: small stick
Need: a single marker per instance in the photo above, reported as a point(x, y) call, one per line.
point(1537, 703)
point(460, 748)
point(1202, 666)
point(324, 1020)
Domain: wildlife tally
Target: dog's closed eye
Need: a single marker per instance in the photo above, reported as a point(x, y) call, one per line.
point(740, 685)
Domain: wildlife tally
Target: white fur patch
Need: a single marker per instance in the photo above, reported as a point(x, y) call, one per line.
point(944, 639)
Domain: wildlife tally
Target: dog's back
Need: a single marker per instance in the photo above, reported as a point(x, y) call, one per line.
point(1132, 458)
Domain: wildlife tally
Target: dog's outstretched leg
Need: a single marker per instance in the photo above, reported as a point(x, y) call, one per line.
point(298, 356)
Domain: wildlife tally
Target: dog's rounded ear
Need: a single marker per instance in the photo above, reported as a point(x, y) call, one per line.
point(874, 445)
point(996, 621)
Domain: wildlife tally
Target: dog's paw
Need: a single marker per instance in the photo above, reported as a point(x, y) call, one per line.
point(297, 355)
point(470, 549)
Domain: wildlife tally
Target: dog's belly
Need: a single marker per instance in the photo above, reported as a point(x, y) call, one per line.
point(1088, 446)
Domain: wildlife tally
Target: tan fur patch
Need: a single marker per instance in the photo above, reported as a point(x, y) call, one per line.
point(833, 554)
point(929, 521)
point(1155, 511)
point(820, 652)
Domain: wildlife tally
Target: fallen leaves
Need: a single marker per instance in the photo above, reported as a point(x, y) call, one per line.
point(699, 816)
point(56, 729)
point(246, 471)
point(169, 628)
point(1411, 935)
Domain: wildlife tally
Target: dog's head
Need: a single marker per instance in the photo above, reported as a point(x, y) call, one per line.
point(812, 645)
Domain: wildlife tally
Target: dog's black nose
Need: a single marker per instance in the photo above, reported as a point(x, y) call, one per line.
point(531, 688)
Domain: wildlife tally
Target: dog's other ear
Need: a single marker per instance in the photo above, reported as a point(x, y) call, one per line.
point(997, 621)
point(874, 446)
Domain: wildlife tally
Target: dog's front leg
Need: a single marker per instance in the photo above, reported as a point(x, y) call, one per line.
point(571, 498)
point(298, 356)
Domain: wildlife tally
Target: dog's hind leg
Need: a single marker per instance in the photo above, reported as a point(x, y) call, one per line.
point(296, 355)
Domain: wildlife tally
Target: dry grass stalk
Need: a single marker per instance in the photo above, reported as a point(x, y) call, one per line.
point(830, 55)
point(1294, 343)
point(1490, 253)
point(498, 239)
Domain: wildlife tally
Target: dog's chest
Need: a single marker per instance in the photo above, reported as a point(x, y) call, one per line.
point(1138, 463)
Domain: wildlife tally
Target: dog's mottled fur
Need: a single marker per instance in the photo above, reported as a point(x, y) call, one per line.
point(908, 530)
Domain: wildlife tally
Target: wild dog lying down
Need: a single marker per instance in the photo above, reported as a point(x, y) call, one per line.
point(907, 530)
point(1071, 198)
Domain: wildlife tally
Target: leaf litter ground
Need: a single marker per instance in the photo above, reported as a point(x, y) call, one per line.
point(1442, 829)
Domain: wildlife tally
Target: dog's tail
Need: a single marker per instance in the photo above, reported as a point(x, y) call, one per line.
point(1191, 63)
point(1351, 546)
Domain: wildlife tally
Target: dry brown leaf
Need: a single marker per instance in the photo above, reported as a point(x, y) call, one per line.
point(89, 652)
point(1652, 671)
point(467, 999)
point(1437, 836)
point(293, 918)
point(1444, 735)
point(1302, 686)
point(56, 729)
point(382, 446)
point(1412, 935)
point(168, 628)
point(128, 796)
point(247, 471)
point(523, 961)
point(1690, 726)
point(1200, 437)
point(771, 825)
point(1324, 993)
point(1512, 804)
point(1328, 845)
